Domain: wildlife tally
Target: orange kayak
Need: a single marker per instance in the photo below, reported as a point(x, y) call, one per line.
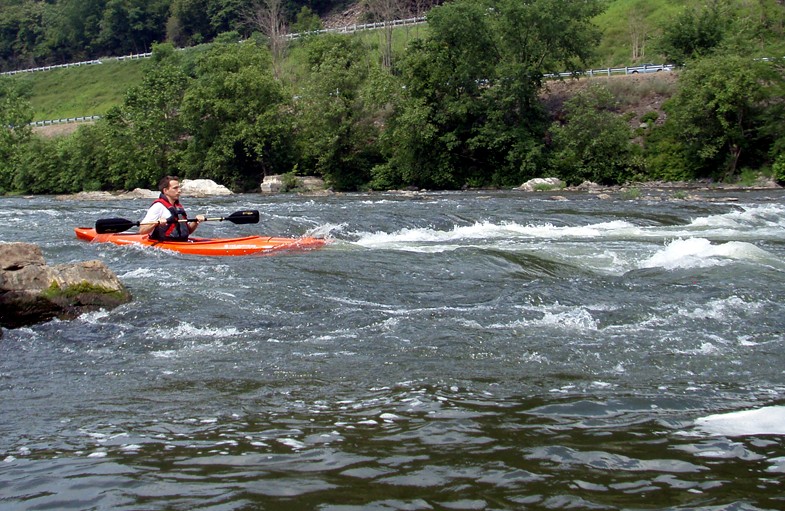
point(206, 246)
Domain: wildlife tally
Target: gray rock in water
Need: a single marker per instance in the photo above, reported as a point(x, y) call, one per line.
point(203, 188)
point(33, 292)
point(542, 184)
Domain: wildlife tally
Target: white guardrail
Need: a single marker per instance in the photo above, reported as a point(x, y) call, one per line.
point(68, 120)
point(349, 29)
point(342, 30)
point(78, 64)
point(628, 70)
point(49, 68)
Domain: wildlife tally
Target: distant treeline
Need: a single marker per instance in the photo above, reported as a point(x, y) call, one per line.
point(459, 107)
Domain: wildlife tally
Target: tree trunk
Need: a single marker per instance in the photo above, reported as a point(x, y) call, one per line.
point(267, 16)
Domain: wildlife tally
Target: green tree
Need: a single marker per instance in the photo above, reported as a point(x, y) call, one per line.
point(226, 15)
point(37, 168)
point(593, 142)
point(131, 26)
point(696, 32)
point(15, 117)
point(533, 38)
point(92, 160)
point(70, 29)
point(148, 125)
point(235, 117)
point(470, 112)
point(188, 23)
point(306, 21)
point(21, 34)
point(334, 125)
point(726, 113)
point(779, 169)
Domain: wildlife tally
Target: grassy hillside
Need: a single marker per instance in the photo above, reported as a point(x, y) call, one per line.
point(92, 90)
point(622, 18)
point(78, 91)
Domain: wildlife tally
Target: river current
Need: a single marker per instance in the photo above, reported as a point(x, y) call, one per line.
point(447, 351)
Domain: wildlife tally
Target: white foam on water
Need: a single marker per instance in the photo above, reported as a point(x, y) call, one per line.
point(324, 230)
point(579, 319)
point(721, 309)
point(186, 330)
point(768, 420)
point(576, 319)
point(490, 231)
point(142, 273)
point(197, 339)
point(93, 317)
point(292, 443)
point(778, 465)
point(693, 245)
point(702, 253)
point(769, 218)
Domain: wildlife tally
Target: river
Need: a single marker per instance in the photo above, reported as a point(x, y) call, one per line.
point(467, 350)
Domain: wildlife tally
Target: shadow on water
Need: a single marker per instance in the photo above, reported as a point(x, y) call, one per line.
point(527, 266)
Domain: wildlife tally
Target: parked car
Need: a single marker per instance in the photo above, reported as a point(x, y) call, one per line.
point(650, 68)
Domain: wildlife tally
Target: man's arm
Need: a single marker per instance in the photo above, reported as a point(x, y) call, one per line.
point(156, 213)
point(194, 223)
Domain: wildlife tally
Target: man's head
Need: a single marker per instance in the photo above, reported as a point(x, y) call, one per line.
point(170, 187)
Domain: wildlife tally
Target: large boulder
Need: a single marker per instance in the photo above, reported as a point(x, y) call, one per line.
point(203, 188)
point(272, 184)
point(542, 184)
point(140, 193)
point(32, 292)
point(277, 183)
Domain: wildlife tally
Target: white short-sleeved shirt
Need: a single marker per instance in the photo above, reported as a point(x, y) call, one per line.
point(156, 212)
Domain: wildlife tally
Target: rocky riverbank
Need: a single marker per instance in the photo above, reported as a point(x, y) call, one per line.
point(553, 183)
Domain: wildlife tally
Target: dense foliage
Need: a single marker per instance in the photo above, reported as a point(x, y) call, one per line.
point(727, 115)
point(468, 113)
point(35, 33)
point(459, 107)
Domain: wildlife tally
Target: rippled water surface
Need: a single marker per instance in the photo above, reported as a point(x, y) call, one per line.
point(468, 351)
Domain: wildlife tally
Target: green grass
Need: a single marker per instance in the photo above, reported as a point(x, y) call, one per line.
point(93, 90)
point(80, 91)
point(615, 49)
point(631, 193)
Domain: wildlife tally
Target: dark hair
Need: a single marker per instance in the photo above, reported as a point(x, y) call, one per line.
point(164, 182)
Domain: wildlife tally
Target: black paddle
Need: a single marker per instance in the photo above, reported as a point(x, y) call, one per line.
point(115, 225)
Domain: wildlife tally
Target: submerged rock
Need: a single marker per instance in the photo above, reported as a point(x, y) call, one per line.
point(33, 292)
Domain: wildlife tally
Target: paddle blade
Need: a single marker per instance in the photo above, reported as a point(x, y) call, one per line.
point(113, 225)
point(250, 216)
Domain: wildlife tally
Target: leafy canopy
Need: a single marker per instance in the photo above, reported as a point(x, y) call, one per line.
point(469, 112)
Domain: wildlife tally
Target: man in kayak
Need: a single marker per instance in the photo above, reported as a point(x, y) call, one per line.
point(166, 219)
